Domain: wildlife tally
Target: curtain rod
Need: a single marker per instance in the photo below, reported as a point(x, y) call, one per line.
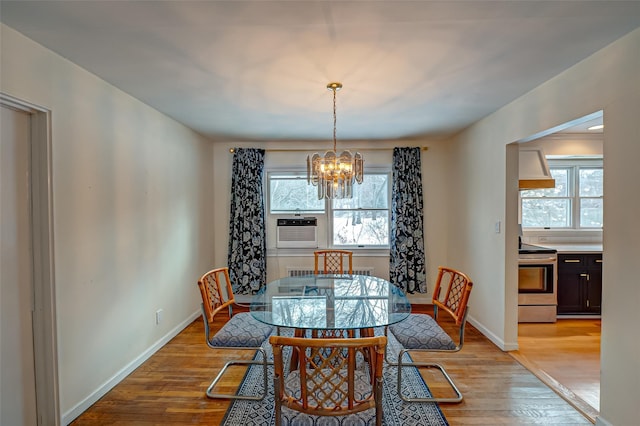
point(422, 148)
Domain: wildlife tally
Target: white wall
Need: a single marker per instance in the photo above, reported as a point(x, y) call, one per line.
point(132, 199)
point(435, 188)
point(484, 192)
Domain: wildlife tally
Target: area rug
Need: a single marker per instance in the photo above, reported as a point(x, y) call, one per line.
point(395, 411)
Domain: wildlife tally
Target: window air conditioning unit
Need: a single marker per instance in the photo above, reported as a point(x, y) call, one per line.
point(297, 233)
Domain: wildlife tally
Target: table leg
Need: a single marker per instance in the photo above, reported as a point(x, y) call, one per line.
point(371, 355)
point(298, 332)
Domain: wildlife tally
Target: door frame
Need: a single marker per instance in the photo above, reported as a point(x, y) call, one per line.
point(42, 250)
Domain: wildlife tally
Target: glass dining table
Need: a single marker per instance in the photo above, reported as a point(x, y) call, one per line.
point(330, 302)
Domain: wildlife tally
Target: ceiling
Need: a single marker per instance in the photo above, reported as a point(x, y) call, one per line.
point(258, 70)
point(583, 125)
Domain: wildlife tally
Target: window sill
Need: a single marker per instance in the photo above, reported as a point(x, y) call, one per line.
point(305, 252)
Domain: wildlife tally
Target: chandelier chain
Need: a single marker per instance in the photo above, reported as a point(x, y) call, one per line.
point(334, 119)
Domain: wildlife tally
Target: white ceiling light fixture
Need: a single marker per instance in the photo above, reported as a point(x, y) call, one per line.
point(596, 127)
point(335, 174)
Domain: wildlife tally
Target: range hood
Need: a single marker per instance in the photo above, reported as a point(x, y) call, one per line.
point(534, 170)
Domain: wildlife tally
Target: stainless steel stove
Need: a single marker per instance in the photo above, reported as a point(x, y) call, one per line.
point(537, 283)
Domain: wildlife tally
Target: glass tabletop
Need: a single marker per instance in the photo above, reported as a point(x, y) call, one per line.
point(330, 302)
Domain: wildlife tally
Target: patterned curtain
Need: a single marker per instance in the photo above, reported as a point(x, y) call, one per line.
point(406, 257)
point(247, 241)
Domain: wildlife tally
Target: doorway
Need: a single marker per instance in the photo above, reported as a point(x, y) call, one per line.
point(566, 354)
point(27, 234)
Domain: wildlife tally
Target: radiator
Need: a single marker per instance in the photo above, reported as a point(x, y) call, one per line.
point(296, 271)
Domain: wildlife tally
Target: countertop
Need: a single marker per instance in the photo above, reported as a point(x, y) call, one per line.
point(574, 248)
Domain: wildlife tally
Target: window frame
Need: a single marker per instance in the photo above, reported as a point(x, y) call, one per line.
point(295, 175)
point(579, 198)
point(331, 210)
point(327, 214)
point(573, 167)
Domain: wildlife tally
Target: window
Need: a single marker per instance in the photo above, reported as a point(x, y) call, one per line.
point(574, 203)
point(590, 191)
point(363, 219)
point(357, 222)
point(289, 193)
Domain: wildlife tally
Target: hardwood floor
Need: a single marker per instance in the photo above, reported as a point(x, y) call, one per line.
point(169, 388)
point(566, 356)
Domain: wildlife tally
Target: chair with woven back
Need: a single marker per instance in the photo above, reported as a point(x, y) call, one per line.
point(240, 332)
point(326, 381)
point(422, 333)
point(333, 262)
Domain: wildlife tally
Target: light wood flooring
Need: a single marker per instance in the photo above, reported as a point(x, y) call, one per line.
point(168, 389)
point(566, 356)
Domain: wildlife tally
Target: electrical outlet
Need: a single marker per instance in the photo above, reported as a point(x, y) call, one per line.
point(158, 316)
point(497, 227)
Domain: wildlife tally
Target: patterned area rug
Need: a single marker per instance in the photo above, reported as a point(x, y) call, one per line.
point(395, 411)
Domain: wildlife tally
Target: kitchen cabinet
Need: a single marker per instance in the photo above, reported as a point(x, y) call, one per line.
point(579, 283)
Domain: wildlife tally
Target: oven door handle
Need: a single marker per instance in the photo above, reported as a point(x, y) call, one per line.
point(537, 261)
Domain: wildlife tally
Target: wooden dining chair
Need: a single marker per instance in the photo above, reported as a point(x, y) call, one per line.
point(422, 333)
point(333, 262)
point(326, 381)
point(240, 332)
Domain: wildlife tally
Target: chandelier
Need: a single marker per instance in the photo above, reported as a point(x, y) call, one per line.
point(334, 174)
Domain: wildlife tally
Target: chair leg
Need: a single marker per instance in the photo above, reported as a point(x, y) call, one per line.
point(378, 399)
point(418, 365)
point(277, 401)
point(264, 363)
point(386, 349)
point(387, 359)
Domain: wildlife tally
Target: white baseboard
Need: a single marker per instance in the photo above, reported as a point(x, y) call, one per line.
point(505, 346)
point(92, 398)
point(602, 422)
